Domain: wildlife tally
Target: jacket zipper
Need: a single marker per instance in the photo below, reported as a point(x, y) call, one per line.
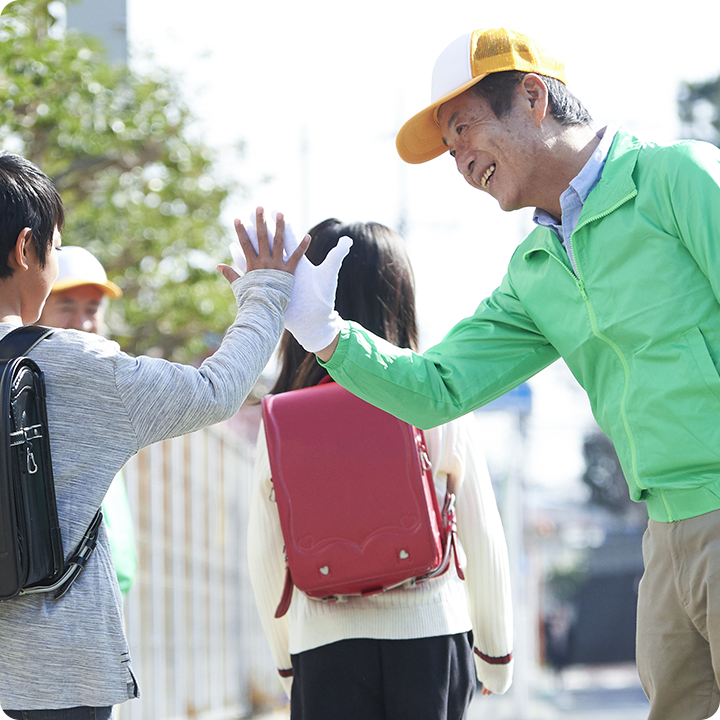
point(613, 345)
point(596, 331)
point(580, 283)
point(626, 371)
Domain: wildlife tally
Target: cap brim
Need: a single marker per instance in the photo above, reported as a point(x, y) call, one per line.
point(110, 289)
point(420, 138)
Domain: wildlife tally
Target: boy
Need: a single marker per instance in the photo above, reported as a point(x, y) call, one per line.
point(68, 659)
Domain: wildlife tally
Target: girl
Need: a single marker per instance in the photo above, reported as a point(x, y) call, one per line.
point(406, 653)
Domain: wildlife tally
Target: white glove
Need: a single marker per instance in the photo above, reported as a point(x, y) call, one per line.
point(239, 257)
point(310, 315)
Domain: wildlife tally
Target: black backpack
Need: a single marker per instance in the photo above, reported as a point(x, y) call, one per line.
point(31, 549)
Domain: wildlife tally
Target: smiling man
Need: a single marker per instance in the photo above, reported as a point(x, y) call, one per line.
point(621, 278)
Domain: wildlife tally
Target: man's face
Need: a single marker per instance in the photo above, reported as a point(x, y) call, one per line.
point(496, 155)
point(78, 308)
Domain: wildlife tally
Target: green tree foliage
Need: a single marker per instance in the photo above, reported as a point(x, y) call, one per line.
point(139, 193)
point(699, 105)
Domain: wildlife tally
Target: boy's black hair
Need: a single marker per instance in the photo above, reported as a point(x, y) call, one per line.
point(28, 199)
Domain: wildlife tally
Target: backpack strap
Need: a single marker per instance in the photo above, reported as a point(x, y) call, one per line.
point(284, 604)
point(22, 340)
point(450, 519)
point(75, 564)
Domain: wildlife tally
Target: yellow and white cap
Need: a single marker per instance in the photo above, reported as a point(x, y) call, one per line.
point(79, 267)
point(463, 63)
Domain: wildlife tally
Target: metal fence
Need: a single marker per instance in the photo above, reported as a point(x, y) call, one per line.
point(196, 643)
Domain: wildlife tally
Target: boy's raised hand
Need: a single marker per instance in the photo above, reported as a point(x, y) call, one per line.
point(263, 251)
point(310, 316)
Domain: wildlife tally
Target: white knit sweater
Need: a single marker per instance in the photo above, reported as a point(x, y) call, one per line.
point(442, 606)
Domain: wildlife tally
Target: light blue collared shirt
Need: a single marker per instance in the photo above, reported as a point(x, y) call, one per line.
point(573, 199)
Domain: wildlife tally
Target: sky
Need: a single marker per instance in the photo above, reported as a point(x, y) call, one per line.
point(317, 90)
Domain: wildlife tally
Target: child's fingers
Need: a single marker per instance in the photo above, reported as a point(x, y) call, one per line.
point(264, 246)
point(298, 253)
point(228, 273)
point(244, 240)
point(279, 242)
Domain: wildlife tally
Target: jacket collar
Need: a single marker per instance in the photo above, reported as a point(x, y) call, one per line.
point(616, 187)
point(617, 184)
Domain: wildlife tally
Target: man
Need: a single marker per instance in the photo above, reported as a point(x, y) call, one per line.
point(77, 301)
point(79, 296)
point(620, 278)
point(67, 658)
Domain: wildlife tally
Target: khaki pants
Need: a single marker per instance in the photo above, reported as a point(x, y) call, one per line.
point(678, 633)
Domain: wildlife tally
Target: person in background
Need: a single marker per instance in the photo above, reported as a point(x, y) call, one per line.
point(407, 652)
point(78, 301)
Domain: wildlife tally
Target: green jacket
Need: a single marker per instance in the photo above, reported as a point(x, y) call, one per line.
point(639, 327)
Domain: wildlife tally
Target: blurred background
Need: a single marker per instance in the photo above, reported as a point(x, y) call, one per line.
point(161, 121)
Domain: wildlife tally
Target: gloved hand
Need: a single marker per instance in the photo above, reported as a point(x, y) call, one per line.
point(310, 315)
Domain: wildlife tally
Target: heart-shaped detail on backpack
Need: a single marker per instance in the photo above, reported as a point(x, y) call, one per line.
point(324, 569)
point(404, 555)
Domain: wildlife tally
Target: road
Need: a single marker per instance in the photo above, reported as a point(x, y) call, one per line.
point(611, 693)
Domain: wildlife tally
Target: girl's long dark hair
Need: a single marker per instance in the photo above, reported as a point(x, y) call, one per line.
point(376, 288)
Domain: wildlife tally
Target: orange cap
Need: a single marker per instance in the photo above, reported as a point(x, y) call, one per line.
point(463, 63)
point(76, 267)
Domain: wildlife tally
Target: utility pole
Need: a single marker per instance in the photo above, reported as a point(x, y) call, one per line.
point(106, 20)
